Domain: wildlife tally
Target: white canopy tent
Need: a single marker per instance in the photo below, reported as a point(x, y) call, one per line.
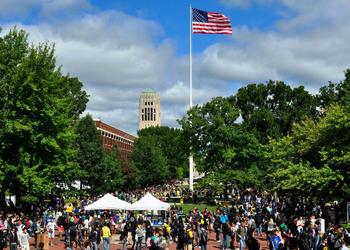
point(149, 202)
point(108, 202)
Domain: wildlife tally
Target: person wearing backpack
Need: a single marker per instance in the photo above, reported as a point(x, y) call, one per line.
point(217, 228)
point(203, 237)
point(157, 239)
point(242, 234)
point(189, 237)
point(132, 227)
point(3, 241)
point(149, 234)
point(182, 238)
point(95, 238)
point(226, 236)
point(124, 234)
point(13, 239)
point(36, 230)
point(166, 234)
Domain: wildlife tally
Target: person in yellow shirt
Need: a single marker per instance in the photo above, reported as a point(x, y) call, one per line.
point(70, 208)
point(106, 235)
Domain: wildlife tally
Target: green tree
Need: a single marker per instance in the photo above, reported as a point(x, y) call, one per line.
point(270, 110)
point(219, 180)
point(219, 143)
point(89, 153)
point(111, 177)
point(36, 117)
point(335, 93)
point(151, 165)
point(328, 142)
point(173, 147)
point(314, 158)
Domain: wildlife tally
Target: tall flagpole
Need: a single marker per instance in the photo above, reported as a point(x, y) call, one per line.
point(191, 156)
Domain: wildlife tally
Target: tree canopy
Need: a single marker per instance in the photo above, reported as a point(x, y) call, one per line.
point(276, 137)
point(173, 147)
point(218, 142)
point(270, 110)
point(149, 162)
point(38, 105)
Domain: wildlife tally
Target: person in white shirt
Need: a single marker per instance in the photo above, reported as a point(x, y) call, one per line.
point(24, 240)
point(51, 230)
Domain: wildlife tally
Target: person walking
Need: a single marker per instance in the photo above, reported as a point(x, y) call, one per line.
point(140, 232)
point(124, 234)
point(3, 241)
point(217, 227)
point(13, 239)
point(106, 235)
point(132, 226)
point(95, 238)
point(226, 236)
point(242, 234)
point(51, 225)
point(149, 234)
point(203, 237)
point(24, 240)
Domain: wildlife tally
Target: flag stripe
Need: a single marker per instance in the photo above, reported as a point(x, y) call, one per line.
point(221, 25)
point(211, 30)
point(210, 23)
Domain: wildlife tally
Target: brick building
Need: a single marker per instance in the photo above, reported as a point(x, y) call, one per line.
point(113, 136)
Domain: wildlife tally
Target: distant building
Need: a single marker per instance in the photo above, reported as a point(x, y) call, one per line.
point(149, 109)
point(112, 136)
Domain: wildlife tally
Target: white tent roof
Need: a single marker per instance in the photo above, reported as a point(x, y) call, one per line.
point(108, 201)
point(149, 202)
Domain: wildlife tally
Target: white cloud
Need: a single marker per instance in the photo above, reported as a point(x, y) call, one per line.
point(307, 49)
point(245, 3)
point(22, 8)
point(54, 6)
point(113, 54)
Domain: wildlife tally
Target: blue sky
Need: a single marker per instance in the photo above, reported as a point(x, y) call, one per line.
point(118, 48)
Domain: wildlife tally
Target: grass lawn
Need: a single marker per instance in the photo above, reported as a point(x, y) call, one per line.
point(346, 226)
point(189, 206)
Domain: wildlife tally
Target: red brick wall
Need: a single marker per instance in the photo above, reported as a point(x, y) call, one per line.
point(112, 136)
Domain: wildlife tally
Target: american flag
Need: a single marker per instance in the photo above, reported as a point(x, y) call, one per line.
point(210, 23)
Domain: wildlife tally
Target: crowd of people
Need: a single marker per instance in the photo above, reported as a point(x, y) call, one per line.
point(251, 217)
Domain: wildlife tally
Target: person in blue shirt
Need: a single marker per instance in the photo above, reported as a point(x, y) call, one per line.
point(276, 240)
point(223, 218)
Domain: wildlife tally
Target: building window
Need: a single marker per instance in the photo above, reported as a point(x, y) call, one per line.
point(145, 103)
point(143, 111)
point(154, 117)
point(151, 103)
point(151, 114)
point(143, 117)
